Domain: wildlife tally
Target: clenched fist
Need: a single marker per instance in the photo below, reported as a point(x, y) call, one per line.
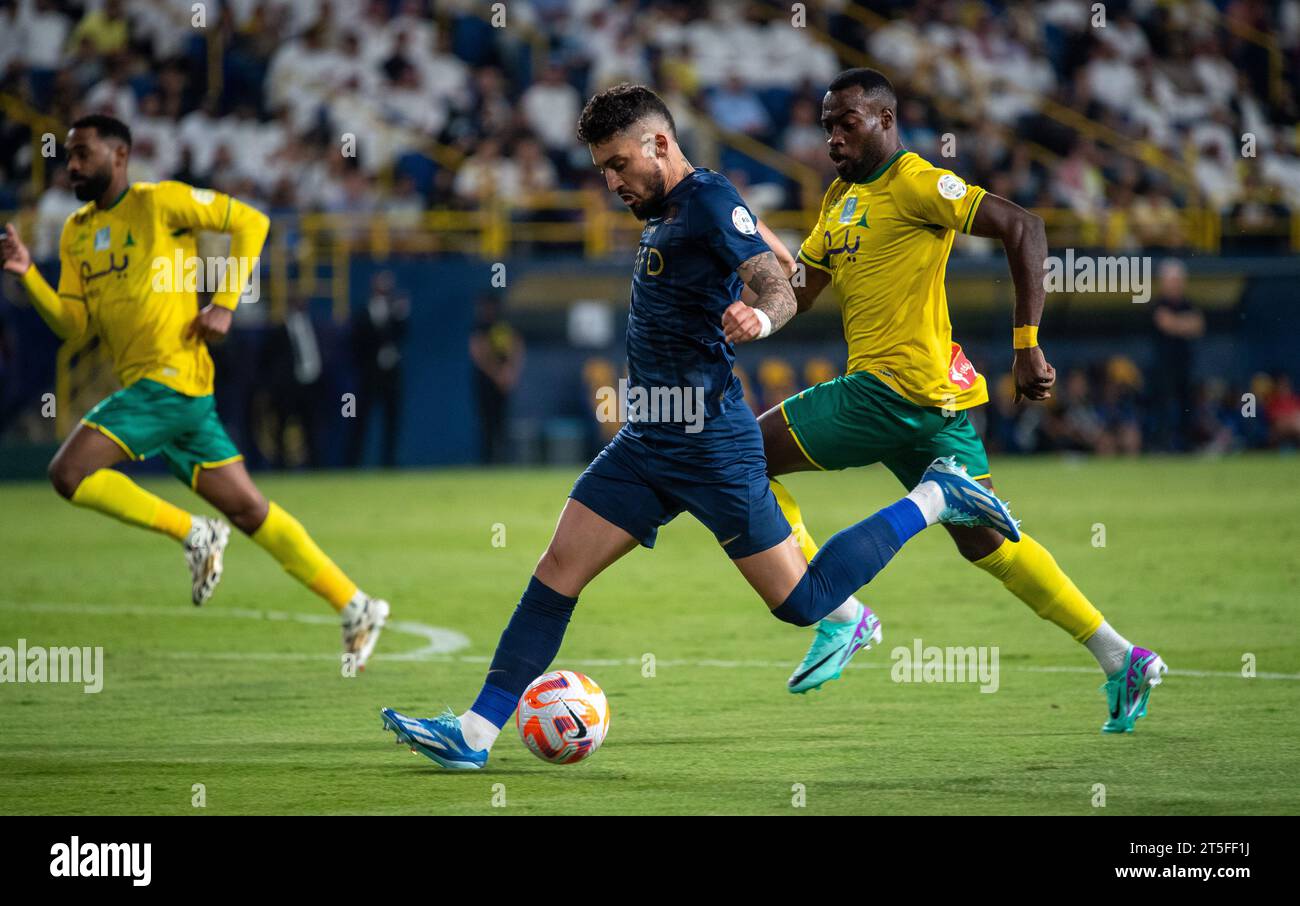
point(212, 323)
point(1034, 377)
point(741, 323)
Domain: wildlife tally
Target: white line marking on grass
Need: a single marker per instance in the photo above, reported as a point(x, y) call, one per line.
point(438, 641)
point(441, 643)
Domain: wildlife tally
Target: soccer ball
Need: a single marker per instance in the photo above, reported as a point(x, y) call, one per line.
point(563, 717)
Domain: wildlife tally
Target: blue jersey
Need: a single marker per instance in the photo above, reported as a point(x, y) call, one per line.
point(684, 279)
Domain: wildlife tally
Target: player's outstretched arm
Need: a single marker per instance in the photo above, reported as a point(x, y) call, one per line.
point(788, 264)
point(1024, 237)
point(63, 312)
point(774, 302)
point(806, 290)
point(778, 248)
point(810, 287)
point(202, 209)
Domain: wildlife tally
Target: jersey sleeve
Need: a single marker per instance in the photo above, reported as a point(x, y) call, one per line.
point(813, 250)
point(65, 310)
point(184, 207)
point(932, 196)
point(70, 287)
point(722, 221)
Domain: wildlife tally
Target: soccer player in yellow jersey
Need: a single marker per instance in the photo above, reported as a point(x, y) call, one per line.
point(883, 237)
point(112, 254)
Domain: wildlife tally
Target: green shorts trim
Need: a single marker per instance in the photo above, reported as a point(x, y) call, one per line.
point(856, 420)
point(149, 419)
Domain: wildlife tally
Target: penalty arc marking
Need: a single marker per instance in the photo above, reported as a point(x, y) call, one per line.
point(438, 641)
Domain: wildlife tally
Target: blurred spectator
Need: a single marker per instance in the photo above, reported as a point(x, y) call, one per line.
point(1177, 328)
point(55, 206)
point(1283, 410)
point(1074, 423)
point(377, 333)
point(497, 353)
point(106, 28)
point(291, 390)
point(737, 108)
point(551, 107)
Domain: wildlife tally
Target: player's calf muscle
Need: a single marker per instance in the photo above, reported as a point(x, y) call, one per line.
point(975, 543)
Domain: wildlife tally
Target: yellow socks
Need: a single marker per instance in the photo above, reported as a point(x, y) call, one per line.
point(112, 493)
point(1030, 573)
point(1026, 569)
point(284, 538)
point(794, 516)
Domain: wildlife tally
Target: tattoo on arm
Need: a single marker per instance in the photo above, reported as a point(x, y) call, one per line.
point(764, 275)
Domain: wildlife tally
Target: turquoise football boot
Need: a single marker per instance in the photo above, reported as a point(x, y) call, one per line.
point(834, 644)
point(1128, 689)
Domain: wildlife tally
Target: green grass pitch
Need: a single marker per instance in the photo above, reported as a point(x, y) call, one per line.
point(247, 698)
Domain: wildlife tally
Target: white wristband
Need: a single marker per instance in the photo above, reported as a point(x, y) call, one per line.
point(766, 323)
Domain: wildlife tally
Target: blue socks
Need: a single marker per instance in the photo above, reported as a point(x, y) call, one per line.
point(528, 645)
point(848, 561)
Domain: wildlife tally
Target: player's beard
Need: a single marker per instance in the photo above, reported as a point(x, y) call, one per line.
point(651, 205)
point(857, 171)
point(92, 186)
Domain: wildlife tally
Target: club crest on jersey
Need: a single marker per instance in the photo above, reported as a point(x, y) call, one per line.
point(103, 238)
point(951, 187)
point(741, 220)
point(850, 208)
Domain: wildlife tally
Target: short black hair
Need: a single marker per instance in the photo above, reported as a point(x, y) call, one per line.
point(617, 108)
point(871, 81)
point(107, 127)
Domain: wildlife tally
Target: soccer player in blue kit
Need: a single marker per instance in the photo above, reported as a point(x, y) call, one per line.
point(701, 247)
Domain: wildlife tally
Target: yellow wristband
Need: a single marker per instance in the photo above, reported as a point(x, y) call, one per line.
point(1024, 337)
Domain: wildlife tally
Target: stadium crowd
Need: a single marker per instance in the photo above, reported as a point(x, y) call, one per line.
point(420, 83)
point(448, 111)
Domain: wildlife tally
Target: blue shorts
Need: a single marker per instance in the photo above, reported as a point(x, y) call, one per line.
point(640, 482)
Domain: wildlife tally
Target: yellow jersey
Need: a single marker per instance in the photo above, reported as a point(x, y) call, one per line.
point(885, 242)
point(134, 268)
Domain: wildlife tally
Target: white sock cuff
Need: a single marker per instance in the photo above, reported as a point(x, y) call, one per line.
point(928, 497)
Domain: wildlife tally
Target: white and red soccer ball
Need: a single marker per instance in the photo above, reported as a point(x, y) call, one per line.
point(563, 717)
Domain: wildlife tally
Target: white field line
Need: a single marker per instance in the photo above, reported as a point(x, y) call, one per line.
point(441, 643)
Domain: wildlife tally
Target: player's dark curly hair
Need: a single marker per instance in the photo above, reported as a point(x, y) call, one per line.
point(106, 127)
point(618, 107)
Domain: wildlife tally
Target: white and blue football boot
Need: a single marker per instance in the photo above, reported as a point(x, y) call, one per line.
point(834, 644)
point(967, 502)
point(437, 738)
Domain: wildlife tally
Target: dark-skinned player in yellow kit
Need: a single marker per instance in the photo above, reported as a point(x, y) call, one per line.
point(117, 278)
point(883, 238)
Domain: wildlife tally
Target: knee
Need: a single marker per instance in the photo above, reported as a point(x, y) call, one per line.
point(247, 512)
point(65, 475)
point(549, 565)
point(557, 572)
point(976, 544)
